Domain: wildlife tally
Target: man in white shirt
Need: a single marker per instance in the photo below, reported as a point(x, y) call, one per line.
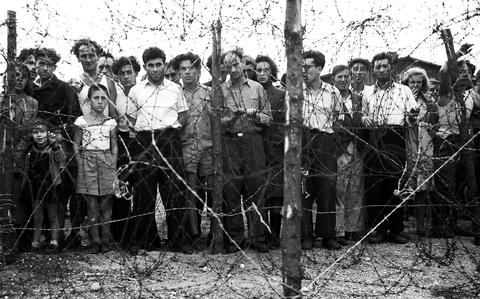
point(157, 109)
point(322, 105)
point(456, 100)
point(388, 108)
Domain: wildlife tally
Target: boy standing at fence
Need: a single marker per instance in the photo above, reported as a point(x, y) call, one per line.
point(95, 147)
point(44, 163)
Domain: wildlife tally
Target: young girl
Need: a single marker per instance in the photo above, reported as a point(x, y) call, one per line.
point(95, 147)
point(44, 161)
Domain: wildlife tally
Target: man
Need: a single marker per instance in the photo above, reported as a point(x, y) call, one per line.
point(249, 67)
point(171, 73)
point(322, 105)
point(267, 71)
point(126, 69)
point(18, 115)
point(359, 69)
point(350, 180)
point(87, 52)
point(27, 58)
point(457, 107)
point(197, 137)
point(247, 111)
point(105, 63)
point(158, 110)
point(388, 109)
point(58, 104)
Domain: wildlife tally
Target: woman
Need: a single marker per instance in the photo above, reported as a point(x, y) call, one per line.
point(420, 144)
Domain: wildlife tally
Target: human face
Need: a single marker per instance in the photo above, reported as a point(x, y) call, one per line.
point(382, 70)
point(30, 64)
point(98, 101)
point(21, 81)
point(40, 135)
point(359, 72)
point(234, 66)
point(188, 72)
point(342, 80)
point(87, 56)
point(155, 69)
point(311, 73)
point(127, 76)
point(45, 68)
point(105, 66)
point(415, 82)
point(264, 72)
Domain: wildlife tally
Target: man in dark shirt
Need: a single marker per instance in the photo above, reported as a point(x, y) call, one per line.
point(58, 104)
point(267, 70)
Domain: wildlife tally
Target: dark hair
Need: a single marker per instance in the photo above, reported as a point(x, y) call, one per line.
point(318, 57)
point(124, 60)
point(209, 62)
point(365, 62)
point(97, 87)
point(153, 53)
point(107, 55)
point(85, 42)
point(339, 68)
point(40, 122)
point(236, 52)
point(193, 58)
point(471, 67)
point(47, 53)
point(381, 56)
point(271, 63)
point(25, 53)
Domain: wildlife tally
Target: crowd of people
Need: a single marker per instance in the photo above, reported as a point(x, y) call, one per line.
point(81, 146)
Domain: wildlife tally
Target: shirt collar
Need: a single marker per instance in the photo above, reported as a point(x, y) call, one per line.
point(39, 83)
point(387, 86)
point(229, 83)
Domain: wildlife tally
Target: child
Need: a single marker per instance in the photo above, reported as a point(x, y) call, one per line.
point(95, 148)
point(45, 161)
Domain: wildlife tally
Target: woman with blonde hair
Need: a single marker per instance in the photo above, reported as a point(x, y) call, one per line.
point(420, 144)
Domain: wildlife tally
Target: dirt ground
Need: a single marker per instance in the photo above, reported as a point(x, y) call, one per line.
point(421, 269)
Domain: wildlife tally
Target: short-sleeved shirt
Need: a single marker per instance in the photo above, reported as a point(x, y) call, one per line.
point(450, 115)
point(95, 136)
point(156, 107)
point(321, 107)
point(388, 106)
point(246, 95)
point(198, 131)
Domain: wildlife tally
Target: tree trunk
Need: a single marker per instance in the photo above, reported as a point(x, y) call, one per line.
point(217, 194)
point(292, 207)
point(7, 233)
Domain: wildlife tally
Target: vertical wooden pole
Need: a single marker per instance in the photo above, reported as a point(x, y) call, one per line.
point(217, 194)
point(292, 207)
point(6, 151)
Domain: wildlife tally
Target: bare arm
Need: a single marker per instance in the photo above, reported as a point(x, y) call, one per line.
point(114, 144)
point(77, 142)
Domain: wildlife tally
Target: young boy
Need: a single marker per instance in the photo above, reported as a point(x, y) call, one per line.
point(44, 160)
point(96, 152)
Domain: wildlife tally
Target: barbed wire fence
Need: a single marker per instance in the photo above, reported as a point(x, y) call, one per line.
point(423, 267)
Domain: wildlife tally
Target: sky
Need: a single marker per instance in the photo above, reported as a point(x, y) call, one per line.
point(340, 29)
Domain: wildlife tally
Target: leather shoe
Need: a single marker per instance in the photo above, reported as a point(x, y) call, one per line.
point(260, 247)
point(377, 238)
point(307, 244)
point(342, 241)
point(331, 244)
point(231, 248)
point(397, 238)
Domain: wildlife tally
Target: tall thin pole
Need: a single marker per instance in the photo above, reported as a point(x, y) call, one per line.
point(292, 207)
point(217, 194)
point(6, 152)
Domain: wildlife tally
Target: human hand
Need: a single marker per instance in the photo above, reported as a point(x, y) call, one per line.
point(251, 112)
point(466, 48)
